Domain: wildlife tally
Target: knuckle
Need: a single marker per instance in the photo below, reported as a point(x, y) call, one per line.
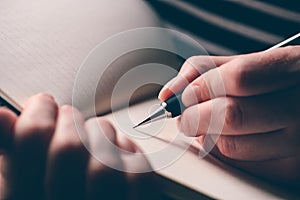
point(227, 146)
point(37, 128)
point(63, 148)
point(200, 64)
point(203, 85)
point(241, 76)
point(233, 115)
point(42, 98)
point(213, 84)
point(67, 109)
point(191, 60)
point(187, 125)
point(34, 134)
point(42, 126)
point(190, 63)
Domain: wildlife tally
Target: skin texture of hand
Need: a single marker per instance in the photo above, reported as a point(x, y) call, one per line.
point(261, 130)
point(43, 157)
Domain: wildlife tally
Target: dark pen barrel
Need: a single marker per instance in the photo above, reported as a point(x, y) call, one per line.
point(4, 103)
point(175, 105)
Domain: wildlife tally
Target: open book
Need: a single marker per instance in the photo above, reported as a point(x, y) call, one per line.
point(42, 46)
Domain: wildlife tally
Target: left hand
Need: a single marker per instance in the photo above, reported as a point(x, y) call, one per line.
point(261, 130)
point(43, 157)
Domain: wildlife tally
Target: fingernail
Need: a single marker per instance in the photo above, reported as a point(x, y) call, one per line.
point(201, 139)
point(190, 95)
point(162, 94)
point(46, 95)
point(178, 123)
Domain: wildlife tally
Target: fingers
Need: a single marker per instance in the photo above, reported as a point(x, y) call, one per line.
point(191, 69)
point(247, 75)
point(255, 73)
point(37, 121)
point(24, 166)
point(7, 121)
point(67, 157)
point(143, 182)
point(256, 147)
point(117, 166)
point(104, 177)
point(235, 116)
point(66, 175)
point(288, 167)
point(53, 141)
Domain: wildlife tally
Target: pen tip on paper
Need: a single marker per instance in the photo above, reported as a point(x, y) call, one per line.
point(135, 126)
point(143, 122)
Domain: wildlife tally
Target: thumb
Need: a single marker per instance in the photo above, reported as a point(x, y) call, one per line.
point(7, 121)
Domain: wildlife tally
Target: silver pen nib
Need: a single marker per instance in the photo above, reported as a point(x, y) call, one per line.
point(143, 122)
point(156, 115)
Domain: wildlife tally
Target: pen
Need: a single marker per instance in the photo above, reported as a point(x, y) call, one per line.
point(174, 106)
point(7, 102)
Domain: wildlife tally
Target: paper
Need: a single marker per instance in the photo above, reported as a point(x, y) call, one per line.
point(207, 176)
point(43, 43)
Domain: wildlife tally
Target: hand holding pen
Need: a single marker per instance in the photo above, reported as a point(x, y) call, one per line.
point(173, 105)
point(262, 111)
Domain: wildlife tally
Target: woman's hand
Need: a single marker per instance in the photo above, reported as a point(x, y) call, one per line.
point(43, 156)
point(256, 97)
